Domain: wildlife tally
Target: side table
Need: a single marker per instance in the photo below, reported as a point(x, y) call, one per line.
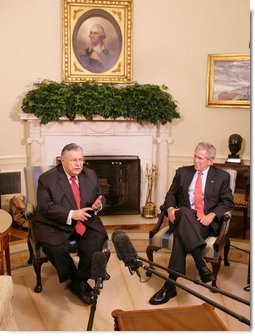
point(183, 318)
point(5, 228)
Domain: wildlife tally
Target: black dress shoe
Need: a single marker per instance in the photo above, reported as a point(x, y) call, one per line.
point(82, 290)
point(162, 296)
point(206, 275)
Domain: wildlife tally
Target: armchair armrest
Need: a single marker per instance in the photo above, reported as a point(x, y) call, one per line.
point(29, 211)
point(159, 223)
point(223, 235)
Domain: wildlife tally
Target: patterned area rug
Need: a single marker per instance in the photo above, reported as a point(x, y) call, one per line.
point(57, 309)
point(239, 250)
point(19, 260)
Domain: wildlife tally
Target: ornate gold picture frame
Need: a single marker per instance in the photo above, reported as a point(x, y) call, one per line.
point(228, 81)
point(97, 41)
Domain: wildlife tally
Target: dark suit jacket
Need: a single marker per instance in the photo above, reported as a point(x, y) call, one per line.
point(55, 200)
point(218, 196)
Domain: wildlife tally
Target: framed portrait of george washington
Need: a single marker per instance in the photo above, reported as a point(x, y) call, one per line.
point(228, 80)
point(97, 40)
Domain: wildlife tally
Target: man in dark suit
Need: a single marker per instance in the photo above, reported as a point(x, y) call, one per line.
point(58, 214)
point(193, 220)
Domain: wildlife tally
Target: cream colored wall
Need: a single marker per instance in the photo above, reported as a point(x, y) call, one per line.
point(171, 47)
point(171, 41)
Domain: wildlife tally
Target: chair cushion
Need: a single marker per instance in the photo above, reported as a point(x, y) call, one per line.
point(164, 239)
point(239, 199)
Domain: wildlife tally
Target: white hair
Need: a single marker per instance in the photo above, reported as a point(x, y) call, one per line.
point(100, 29)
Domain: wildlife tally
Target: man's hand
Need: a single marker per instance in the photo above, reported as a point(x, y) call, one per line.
point(171, 213)
point(97, 205)
point(81, 214)
point(207, 219)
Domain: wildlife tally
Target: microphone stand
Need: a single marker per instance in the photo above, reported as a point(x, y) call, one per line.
point(197, 282)
point(215, 304)
point(95, 293)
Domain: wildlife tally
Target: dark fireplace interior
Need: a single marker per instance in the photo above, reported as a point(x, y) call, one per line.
point(119, 178)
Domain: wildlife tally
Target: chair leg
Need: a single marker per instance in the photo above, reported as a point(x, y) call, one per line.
point(30, 260)
point(37, 267)
point(216, 267)
point(226, 251)
point(149, 251)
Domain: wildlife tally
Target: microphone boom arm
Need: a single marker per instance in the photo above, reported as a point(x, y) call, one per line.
point(215, 304)
point(197, 282)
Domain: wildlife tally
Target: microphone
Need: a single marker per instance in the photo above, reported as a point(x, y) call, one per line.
point(126, 252)
point(98, 271)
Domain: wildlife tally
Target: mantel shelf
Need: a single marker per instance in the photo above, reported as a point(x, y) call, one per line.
point(30, 116)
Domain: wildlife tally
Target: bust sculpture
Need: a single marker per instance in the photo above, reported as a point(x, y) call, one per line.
point(234, 145)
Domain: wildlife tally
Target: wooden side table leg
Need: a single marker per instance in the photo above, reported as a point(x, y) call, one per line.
point(2, 263)
point(7, 260)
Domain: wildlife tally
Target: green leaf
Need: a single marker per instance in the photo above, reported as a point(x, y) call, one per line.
point(141, 102)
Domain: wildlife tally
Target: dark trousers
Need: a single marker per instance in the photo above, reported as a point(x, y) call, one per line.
point(59, 255)
point(189, 234)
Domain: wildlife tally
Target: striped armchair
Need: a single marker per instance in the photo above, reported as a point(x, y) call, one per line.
point(36, 254)
point(161, 237)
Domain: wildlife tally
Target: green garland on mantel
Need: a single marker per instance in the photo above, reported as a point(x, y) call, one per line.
point(140, 102)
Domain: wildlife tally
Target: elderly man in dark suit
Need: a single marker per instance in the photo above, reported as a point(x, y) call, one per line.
point(61, 217)
point(196, 201)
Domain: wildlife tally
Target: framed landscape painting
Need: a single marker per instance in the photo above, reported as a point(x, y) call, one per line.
point(228, 81)
point(97, 40)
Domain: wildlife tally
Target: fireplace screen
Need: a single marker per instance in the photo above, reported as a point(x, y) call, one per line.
point(119, 178)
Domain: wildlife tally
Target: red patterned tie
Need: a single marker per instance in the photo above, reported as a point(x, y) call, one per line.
point(198, 197)
point(79, 227)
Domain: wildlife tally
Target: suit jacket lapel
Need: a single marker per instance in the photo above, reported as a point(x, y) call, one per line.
point(187, 181)
point(209, 185)
point(84, 189)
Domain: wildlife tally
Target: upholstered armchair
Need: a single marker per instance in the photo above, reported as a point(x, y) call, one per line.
point(36, 254)
point(161, 237)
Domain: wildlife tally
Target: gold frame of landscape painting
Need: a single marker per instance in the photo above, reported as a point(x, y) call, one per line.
point(111, 59)
point(223, 88)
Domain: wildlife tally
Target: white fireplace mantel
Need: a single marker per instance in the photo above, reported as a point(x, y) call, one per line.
point(103, 137)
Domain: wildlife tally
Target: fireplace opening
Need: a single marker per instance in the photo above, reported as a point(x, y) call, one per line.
point(119, 178)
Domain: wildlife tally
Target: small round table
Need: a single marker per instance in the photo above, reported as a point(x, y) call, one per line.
point(5, 228)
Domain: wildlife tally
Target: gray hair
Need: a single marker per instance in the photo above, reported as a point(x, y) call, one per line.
point(69, 147)
point(210, 149)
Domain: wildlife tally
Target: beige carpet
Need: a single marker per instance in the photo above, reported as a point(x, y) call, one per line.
point(56, 309)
